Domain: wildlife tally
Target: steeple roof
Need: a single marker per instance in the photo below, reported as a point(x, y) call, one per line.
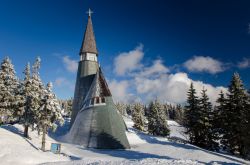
point(89, 44)
point(98, 88)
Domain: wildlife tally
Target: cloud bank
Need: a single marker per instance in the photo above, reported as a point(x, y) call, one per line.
point(156, 81)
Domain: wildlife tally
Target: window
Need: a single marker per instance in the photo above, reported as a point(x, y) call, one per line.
point(91, 57)
point(97, 100)
point(103, 100)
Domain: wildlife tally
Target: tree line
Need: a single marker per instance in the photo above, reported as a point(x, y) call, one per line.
point(28, 102)
point(227, 125)
point(152, 118)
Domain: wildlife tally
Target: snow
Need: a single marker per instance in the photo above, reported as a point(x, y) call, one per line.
point(146, 150)
point(14, 149)
point(177, 131)
point(147, 161)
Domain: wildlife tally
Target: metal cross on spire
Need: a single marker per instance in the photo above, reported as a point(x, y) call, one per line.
point(89, 12)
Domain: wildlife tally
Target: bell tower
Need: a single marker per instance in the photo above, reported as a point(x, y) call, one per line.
point(87, 67)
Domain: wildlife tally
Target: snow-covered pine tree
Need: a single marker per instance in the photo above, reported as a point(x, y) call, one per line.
point(167, 110)
point(179, 114)
point(171, 112)
point(128, 109)
point(66, 106)
point(157, 120)
point(138, 116)
point(3, 113)
point(206, 137)
point(151, 118)
point(219, 116)
point(28, 117)
point(9, 97)
point(191, 115)
point(247, 129)
point(121, 107)
point(234, 124)
point(37, 90)
point(32, 92)
point(48, 114)
point(70, 104)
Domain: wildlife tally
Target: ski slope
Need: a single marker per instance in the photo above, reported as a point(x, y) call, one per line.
point(145, 150)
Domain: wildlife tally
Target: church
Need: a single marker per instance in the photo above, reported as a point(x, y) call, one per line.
point(95, 121)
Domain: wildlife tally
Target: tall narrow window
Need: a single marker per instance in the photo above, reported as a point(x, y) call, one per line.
point(97, 100)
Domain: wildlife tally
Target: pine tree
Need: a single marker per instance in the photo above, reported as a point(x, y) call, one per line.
point(234, 124)
point(48, 114)
point(192, 115)
point(206, 137)
point(3, 113)
point(157, 120)
point(66, 106)
point(121, 107)
point(138, 116)
point(9, 98)
point(179, 114)
point(37, 90)
point(128, 110)
point(32, 92)
point(28, 118)
point(167, 111)
point(246, 130)
point(220, 116)
point(172, 114)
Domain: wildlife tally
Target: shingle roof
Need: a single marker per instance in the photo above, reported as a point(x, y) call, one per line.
point(98, 88)
point(89, 44)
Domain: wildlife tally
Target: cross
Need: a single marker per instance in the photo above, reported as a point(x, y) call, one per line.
point(89, 12)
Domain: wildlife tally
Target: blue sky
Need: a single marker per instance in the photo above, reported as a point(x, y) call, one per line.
point(207, 40)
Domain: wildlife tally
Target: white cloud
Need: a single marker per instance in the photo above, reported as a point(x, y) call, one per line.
point(71, 65)
point(63, 82)
point(245, 63)
point(204, 64)
point(172, 88)
point(128, 61)
point(120, 91)
point(156, 81)
point(157, 68)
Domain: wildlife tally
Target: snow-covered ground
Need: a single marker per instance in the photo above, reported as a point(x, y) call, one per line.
point(15, 149)
point(146, 149)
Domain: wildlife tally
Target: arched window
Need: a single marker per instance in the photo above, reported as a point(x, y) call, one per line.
point(103, 100)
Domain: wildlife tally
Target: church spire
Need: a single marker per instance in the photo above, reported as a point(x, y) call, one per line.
point(89, 44)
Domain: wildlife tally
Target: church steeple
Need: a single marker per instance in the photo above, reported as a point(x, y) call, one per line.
point(89, 44)
point(95, 121)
